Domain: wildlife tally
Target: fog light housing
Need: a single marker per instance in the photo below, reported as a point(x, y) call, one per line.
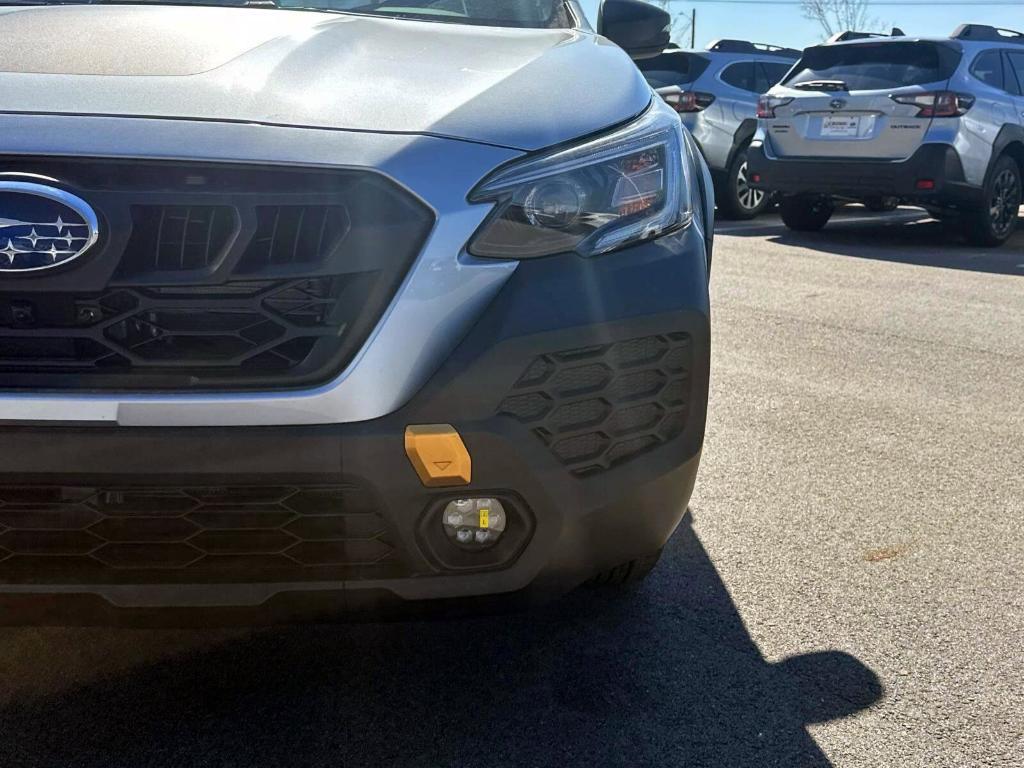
point(474, 524)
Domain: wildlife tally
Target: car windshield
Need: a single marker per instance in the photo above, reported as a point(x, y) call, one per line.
point(501, 13)
point(874, 66)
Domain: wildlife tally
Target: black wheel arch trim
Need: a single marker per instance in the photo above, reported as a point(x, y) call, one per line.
point(743, 136)
point(1009, 139)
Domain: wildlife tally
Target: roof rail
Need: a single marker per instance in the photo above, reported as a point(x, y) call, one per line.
point(987, 33)
point(726, 45)
point(842, 37)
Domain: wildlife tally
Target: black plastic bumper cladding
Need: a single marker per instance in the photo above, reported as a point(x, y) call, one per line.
point(209, 277)
point(272, 518)
point(856, 178)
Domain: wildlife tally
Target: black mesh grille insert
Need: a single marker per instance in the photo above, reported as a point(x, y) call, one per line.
point(209, 277)
point(177, 238)
point(295, 235)
point(600, 406)
point(111, 535)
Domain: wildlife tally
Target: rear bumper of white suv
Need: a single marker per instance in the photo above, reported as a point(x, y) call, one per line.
point(932, 175)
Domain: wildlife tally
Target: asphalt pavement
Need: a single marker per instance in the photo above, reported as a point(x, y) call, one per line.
point(845, 591)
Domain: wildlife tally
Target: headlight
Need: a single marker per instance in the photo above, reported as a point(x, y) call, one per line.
point(615, 190)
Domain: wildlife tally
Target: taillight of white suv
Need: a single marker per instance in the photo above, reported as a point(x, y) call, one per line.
point(686, 101)
point(937, 103)
point(766, 105)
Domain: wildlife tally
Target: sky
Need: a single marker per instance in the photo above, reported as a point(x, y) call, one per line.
point(780, 22)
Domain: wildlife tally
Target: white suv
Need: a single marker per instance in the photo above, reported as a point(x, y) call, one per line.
point(934, 122)
point(715, 92)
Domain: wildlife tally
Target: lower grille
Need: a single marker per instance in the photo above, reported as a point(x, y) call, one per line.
point(175, 337)
point(94, 535)
point(601, 406)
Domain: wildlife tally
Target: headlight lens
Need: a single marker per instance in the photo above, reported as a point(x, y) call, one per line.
point(618, 189)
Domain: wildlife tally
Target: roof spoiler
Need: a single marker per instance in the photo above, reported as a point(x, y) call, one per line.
point(726, 45)
point(842, 37)
point(988, 34)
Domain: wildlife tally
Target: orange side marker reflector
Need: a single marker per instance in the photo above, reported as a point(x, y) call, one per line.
point(438, 455)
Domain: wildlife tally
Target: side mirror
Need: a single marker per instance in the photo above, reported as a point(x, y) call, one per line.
point(639, 28)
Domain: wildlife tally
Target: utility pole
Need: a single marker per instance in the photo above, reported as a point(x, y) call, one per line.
point(693, 28)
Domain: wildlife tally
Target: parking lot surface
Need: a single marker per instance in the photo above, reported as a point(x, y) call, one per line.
point(845, 590)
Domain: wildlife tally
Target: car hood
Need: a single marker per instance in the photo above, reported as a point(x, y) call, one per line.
point(517, 88)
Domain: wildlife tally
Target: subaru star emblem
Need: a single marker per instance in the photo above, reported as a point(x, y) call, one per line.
point(837, 103)
point(42, 227)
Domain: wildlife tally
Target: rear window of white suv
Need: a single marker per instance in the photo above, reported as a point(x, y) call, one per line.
point(673, 68)
point(876, 66)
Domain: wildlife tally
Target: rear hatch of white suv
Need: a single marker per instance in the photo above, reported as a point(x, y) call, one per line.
point(673, 67)
point(871, 99)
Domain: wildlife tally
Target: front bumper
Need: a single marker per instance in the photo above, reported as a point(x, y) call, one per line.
point(627, 331)
point(858, 179)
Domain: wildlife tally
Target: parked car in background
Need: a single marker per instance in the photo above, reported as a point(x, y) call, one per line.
point(715, 92)
point(935, 122)
point(348, 334)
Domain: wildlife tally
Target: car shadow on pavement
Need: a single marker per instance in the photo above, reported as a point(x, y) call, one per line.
point(906, 236)
point(665, 676)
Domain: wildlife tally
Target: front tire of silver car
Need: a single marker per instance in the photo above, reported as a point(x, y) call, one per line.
point(737, 199)
point(806, 213)
point(994, 223)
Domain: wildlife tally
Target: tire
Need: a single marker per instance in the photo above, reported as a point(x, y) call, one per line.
point(806, 213)
point(882, 204)
point(736, 199)
point(993, 224)
point(633, 572)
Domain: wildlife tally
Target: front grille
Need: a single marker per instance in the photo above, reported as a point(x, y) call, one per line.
point(209, 277)
point(600, 406)
point(174, 535)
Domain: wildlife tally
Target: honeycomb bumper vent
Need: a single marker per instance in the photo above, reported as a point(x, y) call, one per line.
point(600, 406)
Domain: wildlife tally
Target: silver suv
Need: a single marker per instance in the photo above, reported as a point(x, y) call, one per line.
point(937, 122)
point(327, 306)
point(716, 91)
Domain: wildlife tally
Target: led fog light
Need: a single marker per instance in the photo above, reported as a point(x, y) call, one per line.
point(474, 524)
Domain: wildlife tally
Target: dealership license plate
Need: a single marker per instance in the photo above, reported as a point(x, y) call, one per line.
point(840, 126)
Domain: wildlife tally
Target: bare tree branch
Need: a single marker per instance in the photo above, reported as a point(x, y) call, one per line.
point(680, 20)
point(840, 15)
